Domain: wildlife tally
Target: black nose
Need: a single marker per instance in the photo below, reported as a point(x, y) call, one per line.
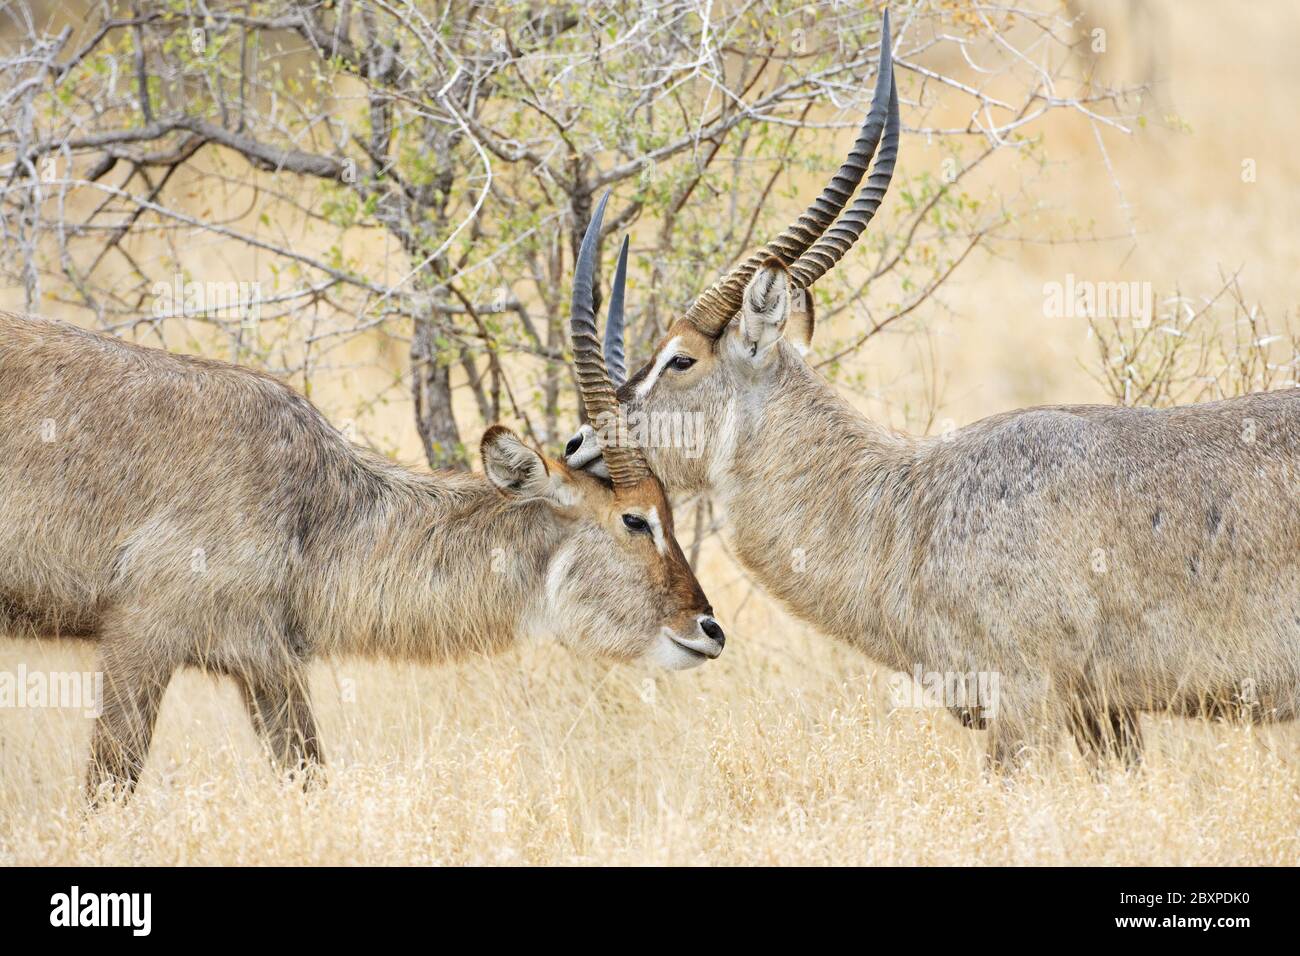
point(711, 627)
point(574, 444)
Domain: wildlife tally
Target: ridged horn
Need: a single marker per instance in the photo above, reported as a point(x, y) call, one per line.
point(627, 465)
point(615, 359)
point(831, 246)
point(711, 312)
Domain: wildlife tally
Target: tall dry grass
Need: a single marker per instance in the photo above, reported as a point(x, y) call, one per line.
point(785, 752)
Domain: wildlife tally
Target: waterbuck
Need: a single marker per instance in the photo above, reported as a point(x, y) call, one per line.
point(1100, 561)
point(181, 511)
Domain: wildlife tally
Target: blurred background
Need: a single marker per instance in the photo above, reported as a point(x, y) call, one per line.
point(398, 215)
point(380, 205)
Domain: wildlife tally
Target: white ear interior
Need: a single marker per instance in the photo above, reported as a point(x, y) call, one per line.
point(765, 307)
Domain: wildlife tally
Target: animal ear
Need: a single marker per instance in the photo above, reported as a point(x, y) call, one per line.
point(515, 469)
point(799, 327)
point(766, 306)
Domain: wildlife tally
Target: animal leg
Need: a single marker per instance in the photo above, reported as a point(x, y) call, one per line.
point(136, 675)
point(1026, 729)
point(280, 709)
point(1112, 732)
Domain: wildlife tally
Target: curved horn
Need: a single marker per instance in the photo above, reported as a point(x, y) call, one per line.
point(615, 360)
point(627, 466)
point(831, 246)
point(711, 312)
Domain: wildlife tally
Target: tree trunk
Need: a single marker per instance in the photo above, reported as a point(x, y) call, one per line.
point(431, 389)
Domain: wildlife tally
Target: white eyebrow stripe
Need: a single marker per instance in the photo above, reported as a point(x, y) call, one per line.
point(665, 355)
point(656, 529)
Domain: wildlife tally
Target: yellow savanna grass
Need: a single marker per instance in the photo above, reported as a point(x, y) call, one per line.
point(787, 750)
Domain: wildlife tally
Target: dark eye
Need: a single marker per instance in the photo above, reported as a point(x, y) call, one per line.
point(680, 363)
point(636, 524)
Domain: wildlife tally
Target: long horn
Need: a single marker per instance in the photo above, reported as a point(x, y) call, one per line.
point(615, 360)
point(831, 246)
point(627, 465)
point(711, 312)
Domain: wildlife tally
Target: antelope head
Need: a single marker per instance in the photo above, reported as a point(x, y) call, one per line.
point(619, 582)
point(724, 357)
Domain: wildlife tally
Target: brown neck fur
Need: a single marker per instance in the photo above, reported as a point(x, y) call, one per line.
point(434, 568)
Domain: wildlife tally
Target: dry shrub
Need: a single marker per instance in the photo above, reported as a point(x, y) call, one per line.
point(1195, 350)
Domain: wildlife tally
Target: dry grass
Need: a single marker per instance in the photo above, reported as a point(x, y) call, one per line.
point(785, 752)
